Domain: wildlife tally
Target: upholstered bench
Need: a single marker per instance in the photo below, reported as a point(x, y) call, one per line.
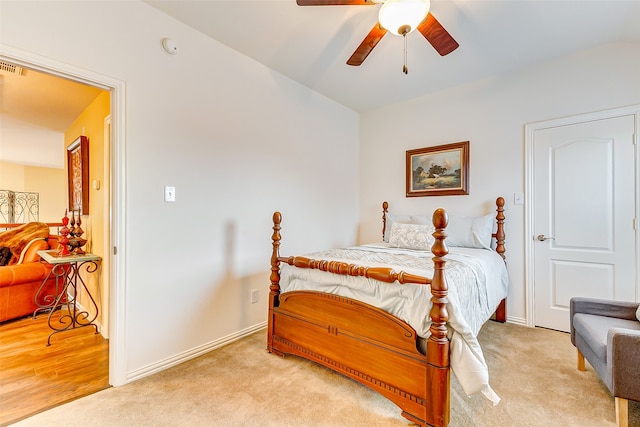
point(607, 334)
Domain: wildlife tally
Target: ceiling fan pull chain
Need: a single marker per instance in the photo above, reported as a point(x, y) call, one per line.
point(404, 67)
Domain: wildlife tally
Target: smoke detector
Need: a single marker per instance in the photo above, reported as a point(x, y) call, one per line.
point(169, 46)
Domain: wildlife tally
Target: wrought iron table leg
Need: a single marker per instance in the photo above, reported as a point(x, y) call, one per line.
point(75, 318)
point(47, 302)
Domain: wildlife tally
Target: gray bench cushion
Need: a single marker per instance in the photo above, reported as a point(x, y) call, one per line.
point(593, 329)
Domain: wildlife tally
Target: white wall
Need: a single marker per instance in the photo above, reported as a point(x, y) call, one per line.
point(30, 145)
point(235, 138)
point(491, 114)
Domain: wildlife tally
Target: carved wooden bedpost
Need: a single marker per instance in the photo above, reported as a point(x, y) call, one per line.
point(500, 230)
point(385, 210)
point(501, 311)
point(274, 288)
point(438, 343)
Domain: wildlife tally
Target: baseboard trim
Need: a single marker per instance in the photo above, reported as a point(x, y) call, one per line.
point(169, 362)
point(517, 321)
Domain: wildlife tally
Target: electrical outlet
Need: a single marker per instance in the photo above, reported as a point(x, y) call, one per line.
point(254, 296)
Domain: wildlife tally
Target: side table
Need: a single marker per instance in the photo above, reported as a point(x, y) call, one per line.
point(68, 267)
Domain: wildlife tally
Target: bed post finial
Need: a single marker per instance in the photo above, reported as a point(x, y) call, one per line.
point(385, 210)
point(500, 248)
point(274, 288)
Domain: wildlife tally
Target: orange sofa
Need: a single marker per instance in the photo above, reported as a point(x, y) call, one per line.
point(20, 282)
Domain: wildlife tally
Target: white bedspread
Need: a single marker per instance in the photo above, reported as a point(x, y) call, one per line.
point(477, 281)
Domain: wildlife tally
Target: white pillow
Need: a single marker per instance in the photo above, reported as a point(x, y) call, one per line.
point(638, 313)
point(411, 236)
point(422, 219)
point(470, 232)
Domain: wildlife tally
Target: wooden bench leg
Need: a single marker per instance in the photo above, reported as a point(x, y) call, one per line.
point(622, 412)
point(580, 361)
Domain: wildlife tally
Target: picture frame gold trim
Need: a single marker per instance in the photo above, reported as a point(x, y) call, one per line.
point(442, 170)
point(78, 175)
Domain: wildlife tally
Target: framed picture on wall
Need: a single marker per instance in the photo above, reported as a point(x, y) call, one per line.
point(442, 170)
point(78, 172)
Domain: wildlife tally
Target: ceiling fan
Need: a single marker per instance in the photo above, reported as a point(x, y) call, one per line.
point(400, 17)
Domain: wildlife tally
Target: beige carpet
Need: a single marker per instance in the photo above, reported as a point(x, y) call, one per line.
point(533, 370)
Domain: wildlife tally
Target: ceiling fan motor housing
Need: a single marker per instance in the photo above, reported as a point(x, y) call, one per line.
point(403, 16)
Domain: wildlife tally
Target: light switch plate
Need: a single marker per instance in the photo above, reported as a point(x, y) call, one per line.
point(169, 194)
point(518, 199)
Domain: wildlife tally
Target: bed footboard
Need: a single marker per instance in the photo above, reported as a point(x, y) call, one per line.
point(363, 342)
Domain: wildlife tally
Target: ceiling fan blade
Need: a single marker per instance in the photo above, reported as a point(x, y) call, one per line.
point(335, 2)
point(439, 38)
point(367, 45)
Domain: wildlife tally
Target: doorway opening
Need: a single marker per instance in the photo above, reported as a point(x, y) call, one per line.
point(107, 216)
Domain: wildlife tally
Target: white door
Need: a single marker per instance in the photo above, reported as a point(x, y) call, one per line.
point(583, 216)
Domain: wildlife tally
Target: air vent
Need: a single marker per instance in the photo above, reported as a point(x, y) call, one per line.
point(10, 68)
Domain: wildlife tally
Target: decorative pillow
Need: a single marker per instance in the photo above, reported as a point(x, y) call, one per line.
point(17, 238)
point(391, 219)
point(38, 244)
point(470, 232)
point(411, 236)
point(638, 313)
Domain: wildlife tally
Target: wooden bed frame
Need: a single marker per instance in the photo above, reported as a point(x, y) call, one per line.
point(365, 343)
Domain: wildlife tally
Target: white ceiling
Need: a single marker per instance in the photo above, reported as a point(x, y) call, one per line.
point(311, 44)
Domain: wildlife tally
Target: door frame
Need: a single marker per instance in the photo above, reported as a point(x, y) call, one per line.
point(116, 209)
point(530, 130)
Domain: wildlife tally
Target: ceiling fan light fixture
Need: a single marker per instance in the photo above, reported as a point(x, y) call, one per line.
point(403, 16)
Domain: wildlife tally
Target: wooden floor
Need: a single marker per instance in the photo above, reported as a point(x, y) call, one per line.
point(35, 377)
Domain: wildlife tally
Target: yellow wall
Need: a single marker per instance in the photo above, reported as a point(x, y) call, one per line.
point(49, 183)
point(91, 124)
point(11, 176)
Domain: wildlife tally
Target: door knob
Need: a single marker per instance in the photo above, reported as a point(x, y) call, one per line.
point(542, 238)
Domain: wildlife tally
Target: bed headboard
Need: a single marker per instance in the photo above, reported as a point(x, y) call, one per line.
point(498, 236)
